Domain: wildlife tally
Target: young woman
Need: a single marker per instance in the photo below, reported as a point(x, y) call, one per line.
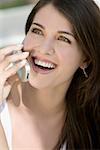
point(58, 108)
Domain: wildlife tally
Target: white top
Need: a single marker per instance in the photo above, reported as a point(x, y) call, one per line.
point(6, 123)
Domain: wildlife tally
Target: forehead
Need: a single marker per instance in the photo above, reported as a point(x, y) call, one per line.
point(50, 17)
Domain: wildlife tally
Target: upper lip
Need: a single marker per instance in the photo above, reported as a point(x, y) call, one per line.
point(44, 59)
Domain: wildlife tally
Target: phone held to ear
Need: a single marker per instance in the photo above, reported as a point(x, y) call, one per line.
point(24, 72)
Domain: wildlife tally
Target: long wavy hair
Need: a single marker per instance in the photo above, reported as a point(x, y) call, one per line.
point(81, 126)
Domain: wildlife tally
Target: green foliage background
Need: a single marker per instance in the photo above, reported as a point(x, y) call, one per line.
point(13, 3)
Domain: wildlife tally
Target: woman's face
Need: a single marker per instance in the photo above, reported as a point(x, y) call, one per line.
point(51, 43)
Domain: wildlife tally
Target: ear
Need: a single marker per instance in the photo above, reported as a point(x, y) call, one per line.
point(85, 63)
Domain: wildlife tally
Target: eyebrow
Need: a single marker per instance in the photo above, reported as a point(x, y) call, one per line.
point(65, 32)
point(60, 32)
point(41, 26)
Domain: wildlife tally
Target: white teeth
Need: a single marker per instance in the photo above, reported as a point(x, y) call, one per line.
point(44, 64)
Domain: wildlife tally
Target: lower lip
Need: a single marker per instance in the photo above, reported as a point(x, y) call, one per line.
point(39, 70)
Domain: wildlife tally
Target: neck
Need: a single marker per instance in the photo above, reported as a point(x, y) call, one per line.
point(45, 101)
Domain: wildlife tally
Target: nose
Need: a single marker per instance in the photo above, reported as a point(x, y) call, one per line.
point(47, 47)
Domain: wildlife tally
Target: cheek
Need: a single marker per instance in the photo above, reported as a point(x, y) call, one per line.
point(28, 42)
point(33, 41)
point(68, 56)
point(70, 60)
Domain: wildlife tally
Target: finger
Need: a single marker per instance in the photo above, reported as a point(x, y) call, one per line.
point(8, 61)
point(14, 69)
point(17, 57)
point(10, 49)
point(2, 57)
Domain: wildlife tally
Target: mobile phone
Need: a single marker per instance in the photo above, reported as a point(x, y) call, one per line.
point(24, 72)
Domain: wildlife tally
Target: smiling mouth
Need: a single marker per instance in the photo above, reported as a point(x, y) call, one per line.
point(42, 66)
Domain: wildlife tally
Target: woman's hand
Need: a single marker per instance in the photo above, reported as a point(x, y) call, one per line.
point(8, 57)
point(3, 142)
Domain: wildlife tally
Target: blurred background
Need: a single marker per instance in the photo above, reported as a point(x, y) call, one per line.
point(13, 15)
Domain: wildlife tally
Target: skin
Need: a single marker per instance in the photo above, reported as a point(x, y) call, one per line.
point(3, 143)
point(53, 85)
point(5, 86)
point(37, 107)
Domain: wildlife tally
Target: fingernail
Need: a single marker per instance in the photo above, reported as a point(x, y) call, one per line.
point(26, 53)
point(23, 61)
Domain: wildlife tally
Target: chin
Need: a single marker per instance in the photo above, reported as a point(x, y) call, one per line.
point(39, 81)
point(38, 84)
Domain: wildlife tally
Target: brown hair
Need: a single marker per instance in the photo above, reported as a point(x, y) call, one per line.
point(81, 127)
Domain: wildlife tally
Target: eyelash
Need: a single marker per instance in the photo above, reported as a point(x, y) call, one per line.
point(61, 38)
point(64, 39)
point(37, 31)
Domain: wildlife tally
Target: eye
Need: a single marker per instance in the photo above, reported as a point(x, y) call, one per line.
point(64, 39)
point(37, 31)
